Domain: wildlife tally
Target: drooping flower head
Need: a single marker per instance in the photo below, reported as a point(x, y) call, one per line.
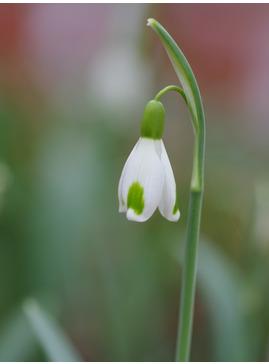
point(147, 180)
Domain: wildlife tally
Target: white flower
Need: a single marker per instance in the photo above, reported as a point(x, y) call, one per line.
point(147, 182)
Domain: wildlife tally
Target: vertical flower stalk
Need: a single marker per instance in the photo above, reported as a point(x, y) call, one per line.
point(194, 103)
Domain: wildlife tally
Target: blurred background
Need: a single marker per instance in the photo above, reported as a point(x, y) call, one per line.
point(74, 80)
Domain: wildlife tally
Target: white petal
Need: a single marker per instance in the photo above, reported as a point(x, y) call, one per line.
point(143, 166)
point(168, 203)
point(122, 203)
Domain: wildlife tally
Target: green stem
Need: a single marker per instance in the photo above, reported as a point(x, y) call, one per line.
point(187, 297)
point(193, 227)
point(194, 103)
point(189, 279)
point(170, 88)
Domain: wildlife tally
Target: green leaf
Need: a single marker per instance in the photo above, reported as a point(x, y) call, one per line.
point(194, 102)
point(51, 337)
point(229, 302)
point(183, 71)
point(17, 342)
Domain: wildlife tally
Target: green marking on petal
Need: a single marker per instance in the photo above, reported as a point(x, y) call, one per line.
point(135, 198)
point(176, 206)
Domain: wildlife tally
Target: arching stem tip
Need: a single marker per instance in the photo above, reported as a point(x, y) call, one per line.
point(150, 22)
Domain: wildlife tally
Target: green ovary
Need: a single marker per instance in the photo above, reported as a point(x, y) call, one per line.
point(153, 120)
point(135, 200)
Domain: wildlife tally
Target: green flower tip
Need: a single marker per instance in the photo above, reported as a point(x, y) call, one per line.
point(176, 206)
point(135, 198)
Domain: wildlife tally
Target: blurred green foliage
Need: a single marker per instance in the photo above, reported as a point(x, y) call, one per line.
point(110, 284)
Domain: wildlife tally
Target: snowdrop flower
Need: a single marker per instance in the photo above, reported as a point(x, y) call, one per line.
point(147, 180)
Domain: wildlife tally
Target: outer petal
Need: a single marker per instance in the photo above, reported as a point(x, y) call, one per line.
point(168, 204)
point(143, 168)
point(122, 204)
